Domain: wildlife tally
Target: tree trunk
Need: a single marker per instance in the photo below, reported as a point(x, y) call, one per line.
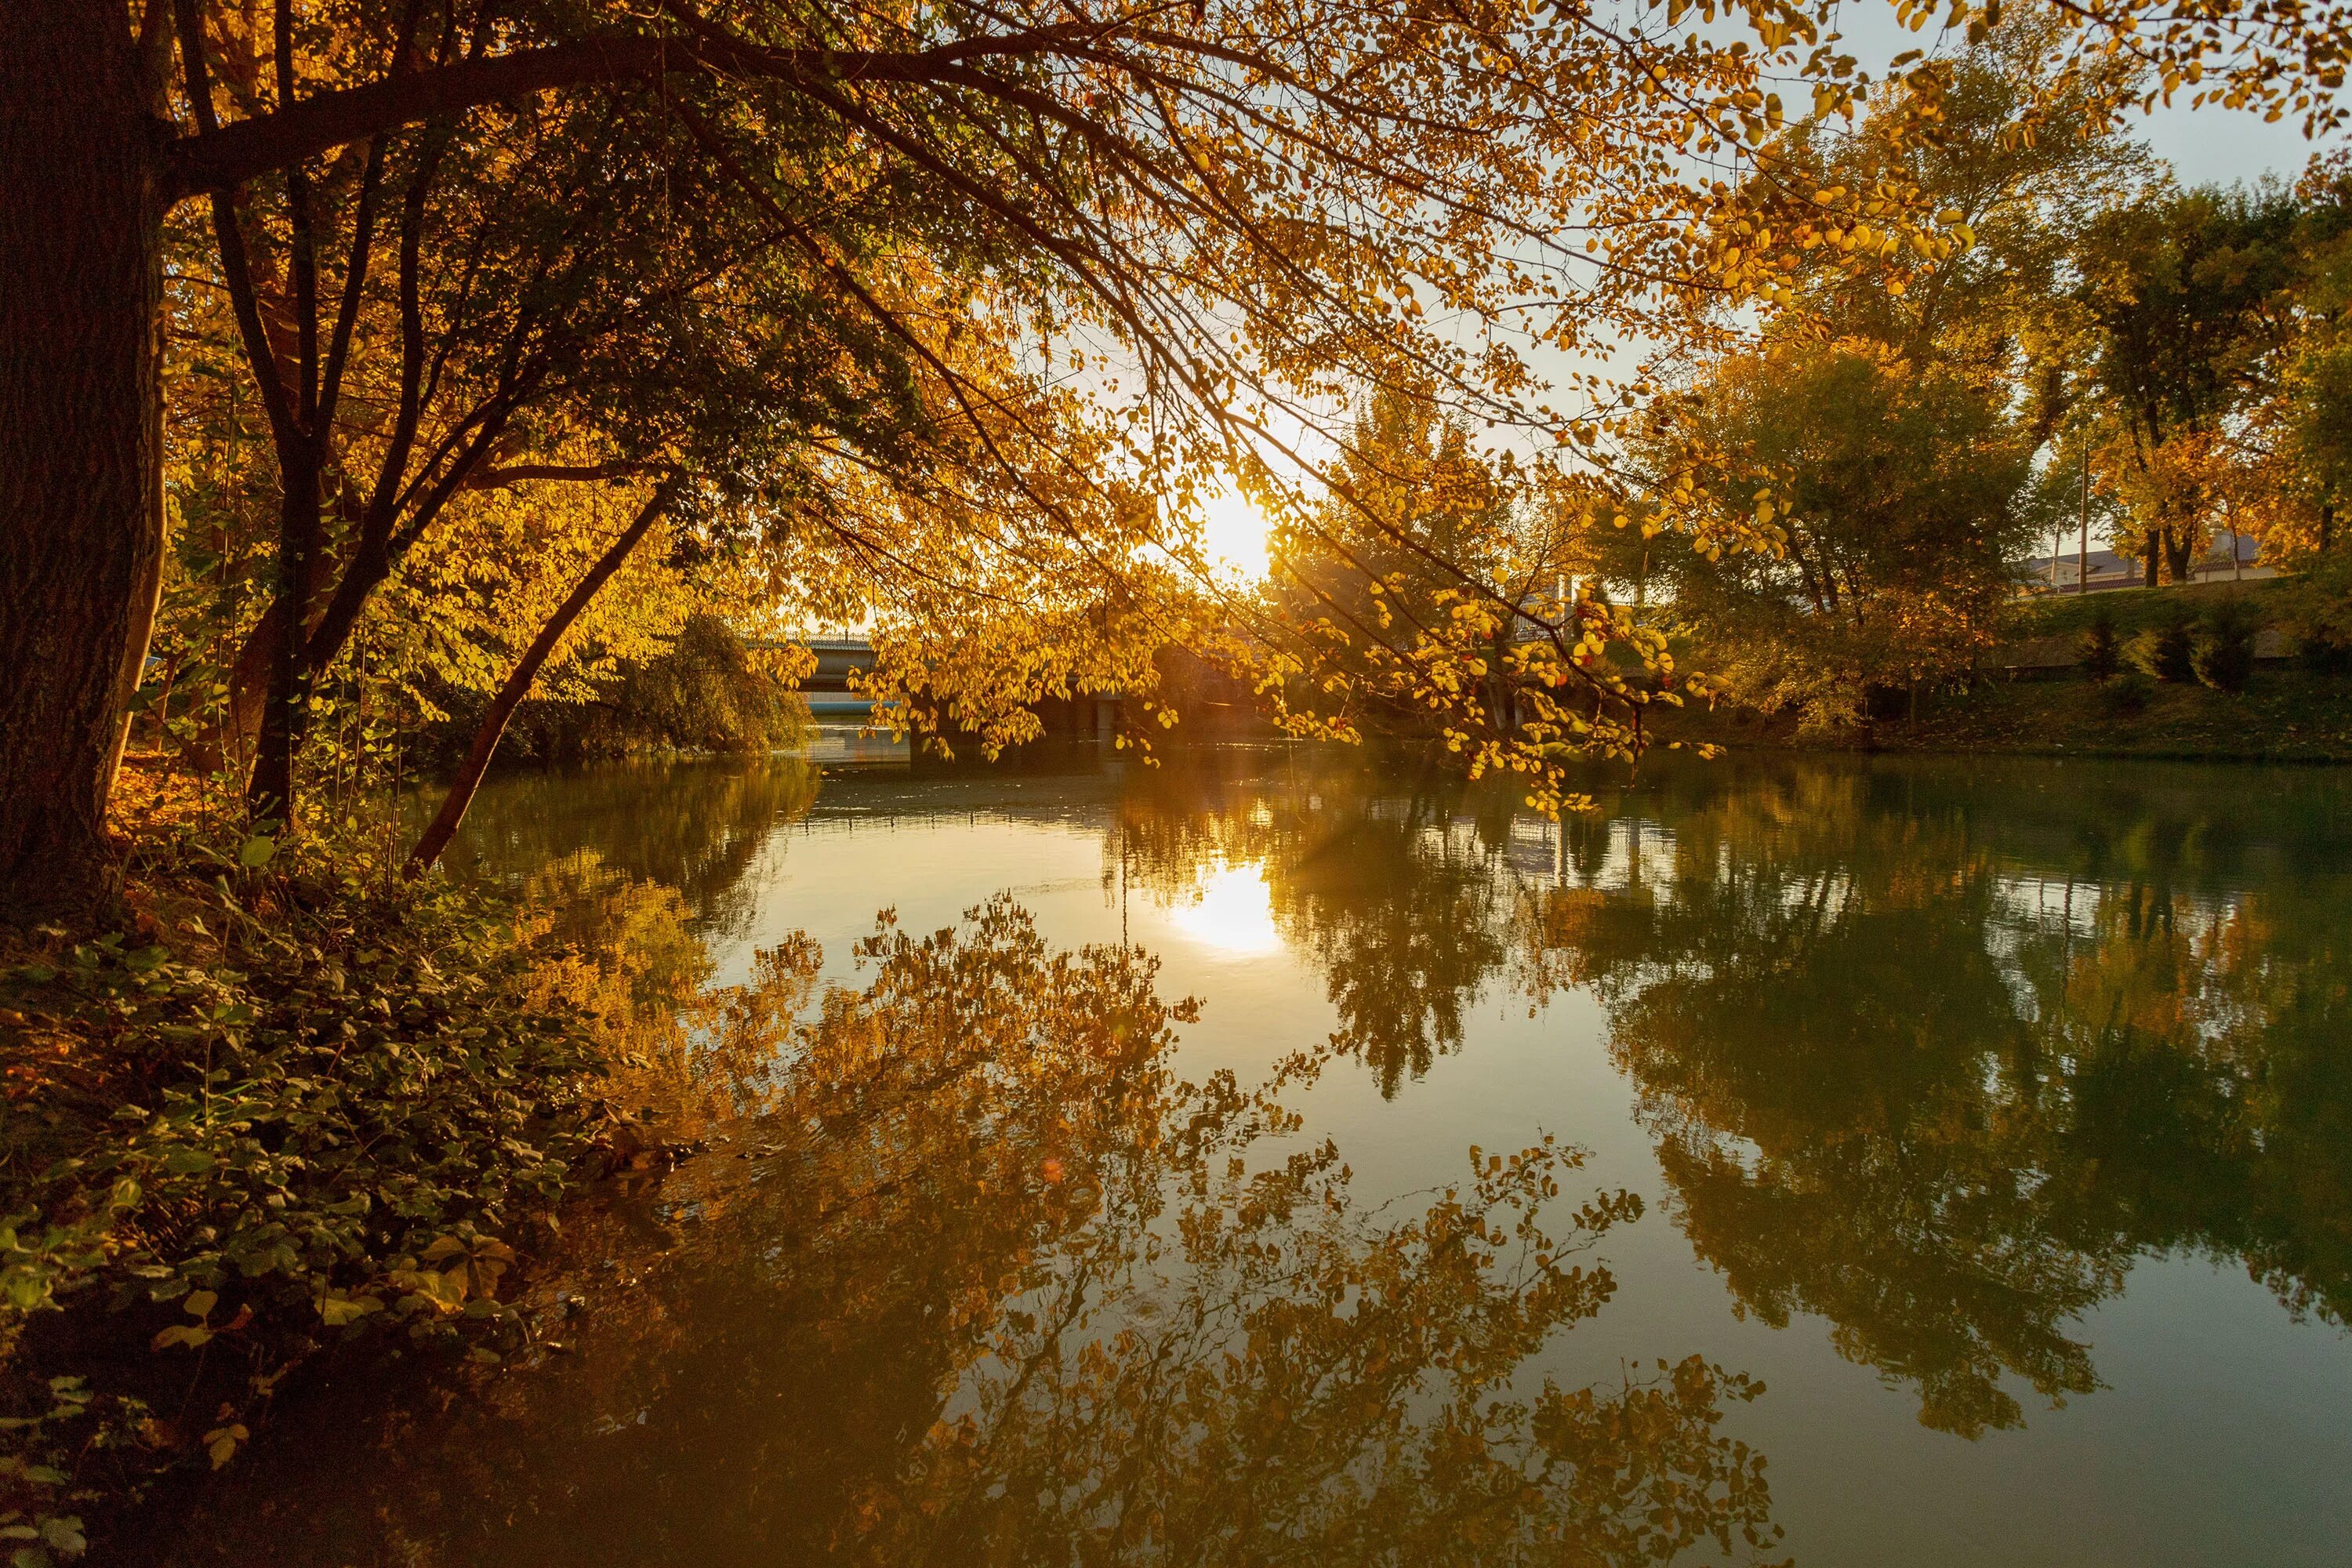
point(270, 791)
point(444, 826)
point(2178, 554)
point(81, 452)
point(248, 685)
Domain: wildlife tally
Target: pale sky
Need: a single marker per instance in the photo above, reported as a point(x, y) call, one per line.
point(2221, 146)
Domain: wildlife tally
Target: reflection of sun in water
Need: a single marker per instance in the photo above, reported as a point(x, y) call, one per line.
point(1233, 912)
point(1233, 533)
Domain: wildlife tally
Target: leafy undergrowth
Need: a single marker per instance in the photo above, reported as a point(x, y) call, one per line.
point(288, 1105)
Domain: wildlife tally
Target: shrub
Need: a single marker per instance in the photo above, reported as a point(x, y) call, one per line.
point(708, 693)
point(2130, 694)
point(2225, 653)
point(289, 1105)
point(2169, 650)
point(2102, 653)
point(2318, 605)
point(2324, 653)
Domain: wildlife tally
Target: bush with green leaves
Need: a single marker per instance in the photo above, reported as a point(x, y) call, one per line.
point(2319, 614)
point(706, 694)
point(298, 1106)
point(2225, 650)
point(2167, 650)
point(2102, 651)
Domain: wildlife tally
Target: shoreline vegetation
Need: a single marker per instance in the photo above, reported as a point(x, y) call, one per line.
point(292, 1103)
point(2121, 673)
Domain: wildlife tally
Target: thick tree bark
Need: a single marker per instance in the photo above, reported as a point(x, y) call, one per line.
point(2178, 554)
point(271, 791)
point(518, 684)
point(80, 460)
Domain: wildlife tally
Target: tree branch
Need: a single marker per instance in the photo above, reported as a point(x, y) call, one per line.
point(518, 684)
point(222, 158)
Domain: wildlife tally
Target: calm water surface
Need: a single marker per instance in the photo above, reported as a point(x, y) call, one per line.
point(1949, 1163)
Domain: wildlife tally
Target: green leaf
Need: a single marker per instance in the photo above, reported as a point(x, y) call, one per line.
point(256, 851)
point(339, 1309)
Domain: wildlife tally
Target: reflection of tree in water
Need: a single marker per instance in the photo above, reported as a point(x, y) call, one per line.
point(1850, 1117)
point(694, 827)
point(1396, 902)
point(994, 1288)
point(1889, 1089)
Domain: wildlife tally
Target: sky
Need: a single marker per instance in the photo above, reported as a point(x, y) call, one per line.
point(2218, 146)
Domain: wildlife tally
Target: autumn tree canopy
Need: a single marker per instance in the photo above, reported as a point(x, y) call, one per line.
point(963, 302)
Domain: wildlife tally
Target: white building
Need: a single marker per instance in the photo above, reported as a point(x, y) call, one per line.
point(2109, 570)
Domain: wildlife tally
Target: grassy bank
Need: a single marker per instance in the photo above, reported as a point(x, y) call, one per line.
point(2283, 715)
point(279, 1105)
point(2288, 710)
point(2137, 610)
point(2285, 710)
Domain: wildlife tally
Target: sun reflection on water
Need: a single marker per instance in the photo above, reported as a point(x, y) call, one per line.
point(1233, 911)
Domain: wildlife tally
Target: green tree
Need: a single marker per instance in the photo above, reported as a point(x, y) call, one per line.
point(1893, 488)
point(2188, 300)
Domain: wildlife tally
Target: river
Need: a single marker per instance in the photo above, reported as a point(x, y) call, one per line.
point(1878, 1162)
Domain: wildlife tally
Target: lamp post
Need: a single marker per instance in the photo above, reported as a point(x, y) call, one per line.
point(2083, 546)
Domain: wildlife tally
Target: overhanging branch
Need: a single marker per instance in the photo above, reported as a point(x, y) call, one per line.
point(225, 158)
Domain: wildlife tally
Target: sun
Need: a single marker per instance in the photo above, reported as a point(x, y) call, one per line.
point(1233, 533)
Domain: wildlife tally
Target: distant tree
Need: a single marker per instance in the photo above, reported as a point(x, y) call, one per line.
point(1413, 505)
point(2006, 141)
point(2188, 298)
point(1893, 493)
point(2291, 478)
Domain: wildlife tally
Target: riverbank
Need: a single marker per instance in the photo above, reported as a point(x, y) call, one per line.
point(2041, 692)
point(281, 1106)
point(2282, 716)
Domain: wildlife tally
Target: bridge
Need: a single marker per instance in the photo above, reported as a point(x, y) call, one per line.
point(830, 701)
point(826, 687)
